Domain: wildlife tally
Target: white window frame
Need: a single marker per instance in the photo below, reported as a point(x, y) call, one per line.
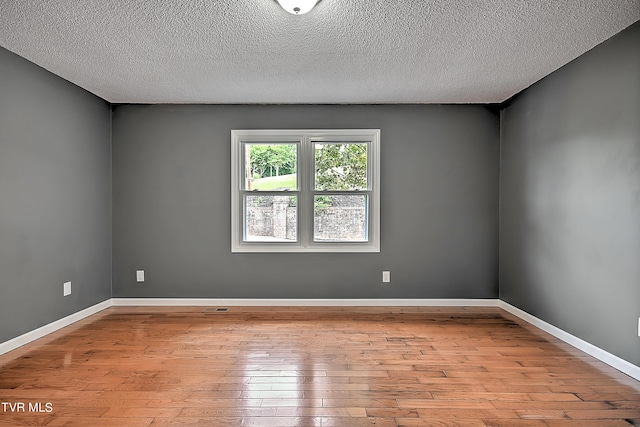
point(305, 174)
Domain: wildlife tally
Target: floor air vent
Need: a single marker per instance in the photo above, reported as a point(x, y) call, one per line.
point(216, 310)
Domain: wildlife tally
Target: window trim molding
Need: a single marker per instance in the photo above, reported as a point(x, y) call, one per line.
point(304, 137)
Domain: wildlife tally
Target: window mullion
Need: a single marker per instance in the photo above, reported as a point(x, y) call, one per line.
point(305, 206)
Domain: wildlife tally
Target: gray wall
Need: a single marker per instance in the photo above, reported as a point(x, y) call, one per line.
point(439, 209)
point(570, 197)
point(55, 207)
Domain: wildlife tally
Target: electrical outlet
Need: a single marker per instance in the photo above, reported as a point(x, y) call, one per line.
point(639, 326)
point(386, 276)
point(66, 289)
point(140, 276)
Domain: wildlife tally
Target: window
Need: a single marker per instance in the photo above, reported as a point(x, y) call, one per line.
point(305, 190)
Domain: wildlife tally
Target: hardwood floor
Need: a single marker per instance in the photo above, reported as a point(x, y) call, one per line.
point(309, 366)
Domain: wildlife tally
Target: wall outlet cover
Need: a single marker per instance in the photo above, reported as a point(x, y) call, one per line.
point(386, 276)
point(66, 289)
point(140, 275)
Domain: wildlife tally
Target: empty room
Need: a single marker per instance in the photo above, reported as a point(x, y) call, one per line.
point(320, 213)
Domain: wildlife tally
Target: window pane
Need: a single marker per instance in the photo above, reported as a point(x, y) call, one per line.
point(340, 218)
point(270, 218)
point(340, 166)
point(270, 167)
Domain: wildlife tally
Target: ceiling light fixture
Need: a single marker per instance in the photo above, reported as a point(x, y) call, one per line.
point(297, 7)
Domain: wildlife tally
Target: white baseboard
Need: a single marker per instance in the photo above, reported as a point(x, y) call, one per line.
point(269, 302)
point(23, 339)
point(600, 354)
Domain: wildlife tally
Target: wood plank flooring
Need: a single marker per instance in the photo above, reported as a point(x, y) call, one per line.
point(305, 366)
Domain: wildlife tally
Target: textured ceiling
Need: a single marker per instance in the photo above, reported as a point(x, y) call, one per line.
point(343, 51)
